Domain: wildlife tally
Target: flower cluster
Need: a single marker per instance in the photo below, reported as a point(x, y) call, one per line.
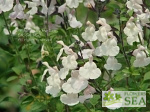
point(108, 42)
point(70, 78)
point(73, 78)
point(134, 31)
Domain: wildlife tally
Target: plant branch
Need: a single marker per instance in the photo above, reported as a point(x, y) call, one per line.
point(12, 39)
point(88, 110)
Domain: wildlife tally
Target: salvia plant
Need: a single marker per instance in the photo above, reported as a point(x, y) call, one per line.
point(59, 55)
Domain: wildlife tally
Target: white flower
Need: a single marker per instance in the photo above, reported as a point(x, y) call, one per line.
point(14, 24)
point(6, 5)
point(87, 94)
point(60, 53)
point(33, 6)
point(69, 62)
point(43, 52)
point(38, 2)
point(85, 97)
point(69, 99)
point(48, 10)
point(108, 48)
point(107, 77)
point(63, 73)
point(112, 64)
point(59, 20)
point(65, 48)
point(30, 25)
point(50, 70)
point(88, 35)
point(54, 83)
point(81, 44)
point(134, 5)
point(73, 21)
point(86, 53)
point(102, 21)
point(141, 58)
point(102, 33)
point(73, 3)
point(132, 31)
point(144, 17)
point(90, 44)
point(89, 90)
point(18, 12)
point(88, 3)
point(90, 70)
point(75, 84)
point(62, 8)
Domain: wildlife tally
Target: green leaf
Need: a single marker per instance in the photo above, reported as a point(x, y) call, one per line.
point(147, 76)
point(9, 99)
point(119, 76)
point(130, 12)
point(123, 19)
point(113, 6)
point(28, 100)
point(135, 73)
point(95, 99)
point(37, 107)
point(33, 106)
point(78, 108)
point(93, 110)
point(126, 70)
point(5, 60)
point(59, 107)
point(11, 78)
point(18, 69)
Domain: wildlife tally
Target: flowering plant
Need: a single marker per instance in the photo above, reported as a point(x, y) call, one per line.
point(61, 54)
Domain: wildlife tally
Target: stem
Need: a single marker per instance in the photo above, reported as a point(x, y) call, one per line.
point(12, 39)
point(140, 39)
point(122, 43)
point(109, 74)
point(80, 50)
point(148, 40)
point(47, 36)
point(108, 83)
point(88, 110)
point(66, 108)
point(99, 89)
point(28, 64)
